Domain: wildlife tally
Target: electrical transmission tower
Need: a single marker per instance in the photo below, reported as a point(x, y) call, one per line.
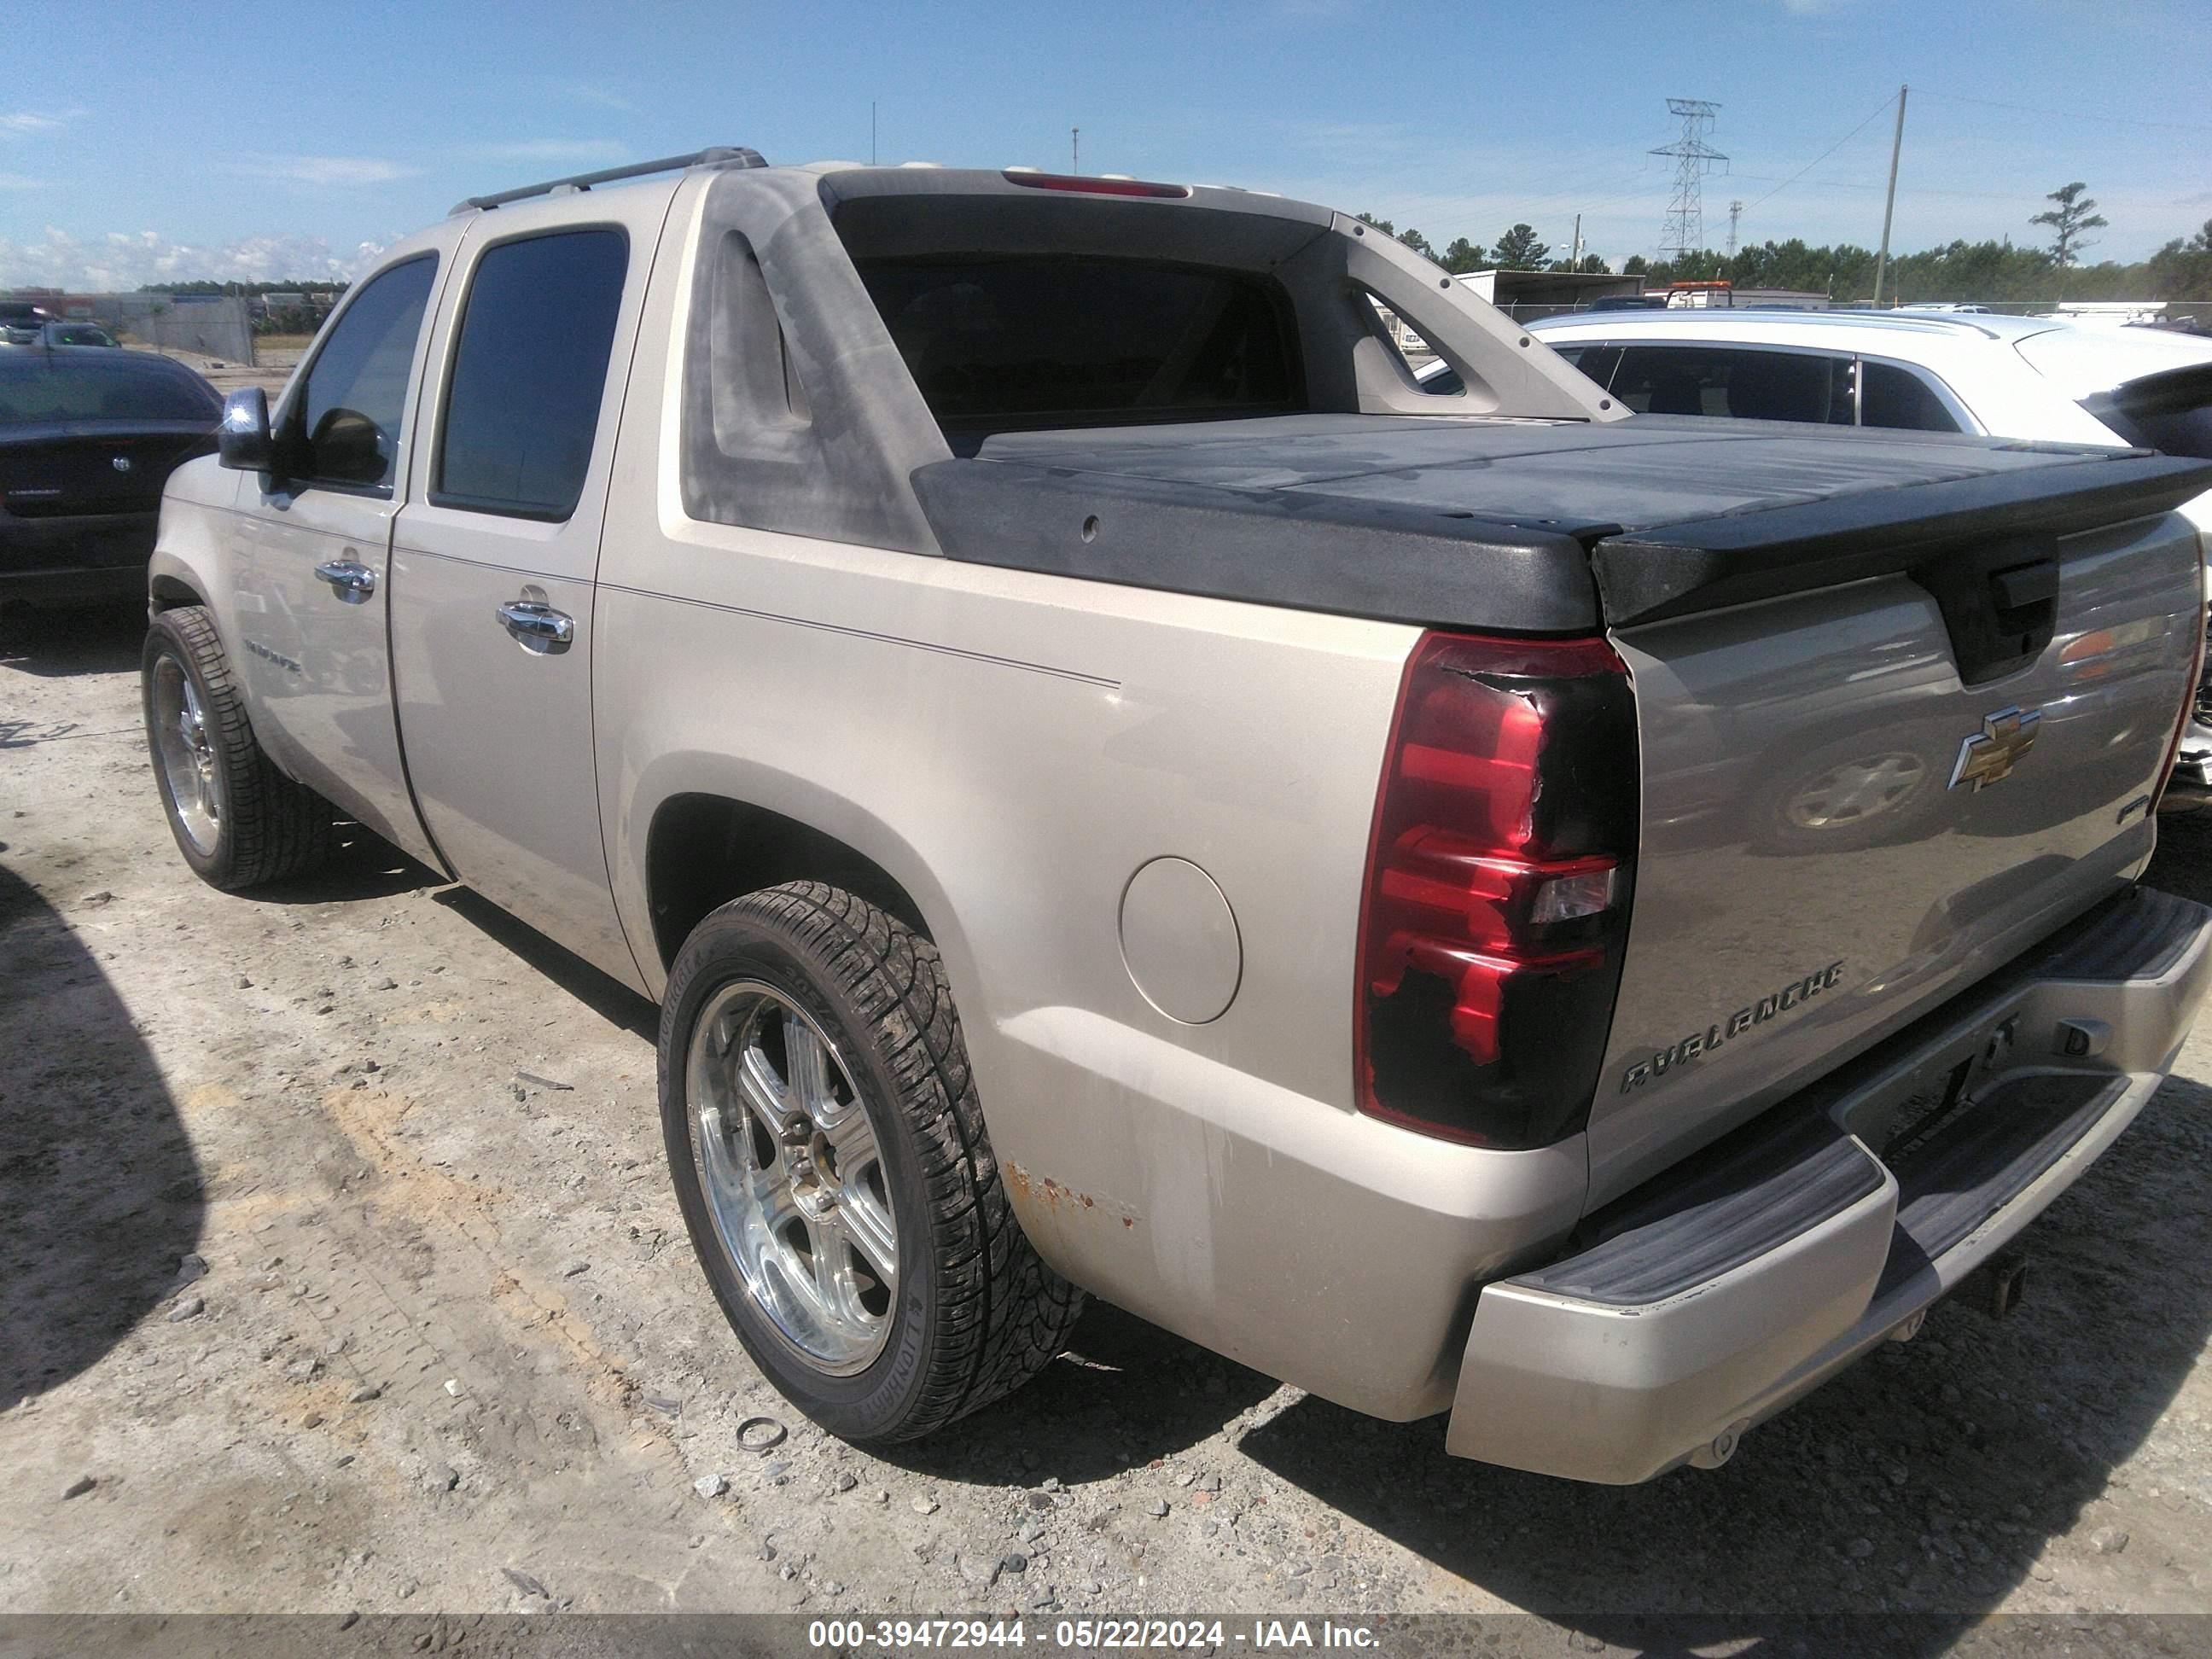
point(1735, 212)
point(1684, 232)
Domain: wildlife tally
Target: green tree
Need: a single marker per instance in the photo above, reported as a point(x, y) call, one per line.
point(1519, 250)
point(2183, 270)
point(2070, 222)
point(1463, 255)
point(1590, 265)
point(1413, 240)
point(1635, 265)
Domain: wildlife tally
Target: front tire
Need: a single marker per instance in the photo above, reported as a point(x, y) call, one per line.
point(237, 819)
point(829, 1157)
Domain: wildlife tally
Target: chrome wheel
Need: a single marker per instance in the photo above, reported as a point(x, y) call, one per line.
point(793, 1175)
point(1856, 790)
point(188, 756)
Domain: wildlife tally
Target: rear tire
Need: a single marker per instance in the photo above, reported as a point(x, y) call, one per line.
point(237, 819)
point(869, 1259)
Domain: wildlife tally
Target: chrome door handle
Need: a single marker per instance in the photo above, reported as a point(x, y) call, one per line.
point(538, 626)
point(350, 580)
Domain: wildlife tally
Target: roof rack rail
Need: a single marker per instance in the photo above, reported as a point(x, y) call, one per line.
point(718, 156)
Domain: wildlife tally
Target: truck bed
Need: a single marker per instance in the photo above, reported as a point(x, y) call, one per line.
point(1539, 526)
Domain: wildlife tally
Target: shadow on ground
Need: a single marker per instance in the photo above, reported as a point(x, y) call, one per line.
point(1125, 1392)
point(52, 640)
point(607, 997)
point(362, 866)
point(99, 1193)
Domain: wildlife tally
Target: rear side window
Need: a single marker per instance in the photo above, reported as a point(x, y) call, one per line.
point(529, 371)
point(1895, 397)
point(345, 426)
point(1004, 342)
point(1743, 384)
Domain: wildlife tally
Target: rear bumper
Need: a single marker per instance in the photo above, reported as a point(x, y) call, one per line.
point(1716, 1296)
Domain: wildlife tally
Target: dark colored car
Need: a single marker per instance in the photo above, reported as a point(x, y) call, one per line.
point(74, 334)
point(21, 321)
point(89, 436)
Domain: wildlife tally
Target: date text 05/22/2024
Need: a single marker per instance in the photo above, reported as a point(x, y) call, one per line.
point(1087, 1635)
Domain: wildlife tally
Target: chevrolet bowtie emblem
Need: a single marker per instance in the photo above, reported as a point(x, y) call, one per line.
point(1990, 754)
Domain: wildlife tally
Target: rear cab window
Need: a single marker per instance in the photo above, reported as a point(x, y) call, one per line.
point(1002, 343)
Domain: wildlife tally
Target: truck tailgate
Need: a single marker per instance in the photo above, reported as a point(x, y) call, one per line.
point(1862, 795)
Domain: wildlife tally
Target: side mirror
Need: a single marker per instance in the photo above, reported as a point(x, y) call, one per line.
point(243, 442)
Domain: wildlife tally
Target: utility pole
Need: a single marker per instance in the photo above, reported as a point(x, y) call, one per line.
point(1889, 204)
point(1735, 212)
point(1575, 259)
point(1075, 149)
point(1684, 232)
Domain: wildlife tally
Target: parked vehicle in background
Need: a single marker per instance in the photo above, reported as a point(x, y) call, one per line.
point(1117, 787)
point(89, 436)
point(1700, 297)
point(77, 334)
point(21, 321)
point(1924, 371)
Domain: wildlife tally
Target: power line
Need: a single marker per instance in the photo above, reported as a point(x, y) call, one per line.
point(1878, 111)
point(2066, 115)
point(1902, 190)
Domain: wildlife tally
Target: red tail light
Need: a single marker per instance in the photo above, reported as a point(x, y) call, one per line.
point(1091, 184)
point(1498, 885)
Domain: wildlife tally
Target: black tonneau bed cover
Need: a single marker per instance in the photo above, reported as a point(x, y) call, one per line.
point(1575, 525)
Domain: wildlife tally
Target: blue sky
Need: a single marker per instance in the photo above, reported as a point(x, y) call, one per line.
point(191, 140)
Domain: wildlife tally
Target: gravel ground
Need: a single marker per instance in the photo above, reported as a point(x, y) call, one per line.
point(338, 1271)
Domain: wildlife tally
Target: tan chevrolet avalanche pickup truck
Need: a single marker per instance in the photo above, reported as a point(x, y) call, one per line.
point(1470, 902)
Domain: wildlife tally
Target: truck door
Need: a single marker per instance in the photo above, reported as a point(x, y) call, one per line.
point(311, 545)
point(493, 558)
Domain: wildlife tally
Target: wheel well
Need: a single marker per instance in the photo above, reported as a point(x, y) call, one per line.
point(705, 850)
point(167, 594)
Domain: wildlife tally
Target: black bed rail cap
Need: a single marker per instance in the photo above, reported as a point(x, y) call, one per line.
point(1386, 560)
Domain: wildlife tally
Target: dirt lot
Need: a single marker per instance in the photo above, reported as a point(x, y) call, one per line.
point(449, 1349)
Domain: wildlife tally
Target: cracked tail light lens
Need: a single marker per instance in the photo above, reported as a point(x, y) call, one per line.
point(1498, 877)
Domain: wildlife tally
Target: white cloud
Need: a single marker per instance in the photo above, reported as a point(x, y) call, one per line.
point(22, 123)
point(320, 171)
point(553, 149)
point(120, 261)
point(20, 181)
